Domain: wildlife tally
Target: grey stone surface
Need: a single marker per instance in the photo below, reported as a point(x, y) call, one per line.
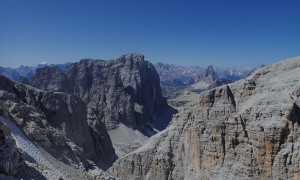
point(11, 159)
point(126, 90)
point(57, 122)
point(245, 130)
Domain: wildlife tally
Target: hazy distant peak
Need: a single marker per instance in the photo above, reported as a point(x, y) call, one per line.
point(210, 71)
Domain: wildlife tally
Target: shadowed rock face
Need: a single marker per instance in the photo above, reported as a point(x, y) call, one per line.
point(248, 129)
point(55, 121)
point(11, 159)
point(125, 90)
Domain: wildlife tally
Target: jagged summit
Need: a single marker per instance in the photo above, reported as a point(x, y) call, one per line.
point(125, 90)
point(132, 56)
point(208, 76)
point(135, 56)
point(210, 71)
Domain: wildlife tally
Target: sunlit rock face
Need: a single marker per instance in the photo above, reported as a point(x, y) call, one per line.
point(126, 90)
point(248, 129)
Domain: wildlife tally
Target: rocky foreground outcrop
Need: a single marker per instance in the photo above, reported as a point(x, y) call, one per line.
point(11, 158)
point(126, 90)
point(58, 123)
point(245, 130)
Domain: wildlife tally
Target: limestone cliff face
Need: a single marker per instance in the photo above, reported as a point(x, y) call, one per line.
point(248, 129)
point(57, 122)
point(125, 90)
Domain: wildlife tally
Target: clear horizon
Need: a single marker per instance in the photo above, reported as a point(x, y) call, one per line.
point(192, 33)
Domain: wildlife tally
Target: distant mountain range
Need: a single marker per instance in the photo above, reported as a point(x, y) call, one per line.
point(26, 71)
point(175, 78)
point(95, 119)
point(176, 75)
point(170, 74)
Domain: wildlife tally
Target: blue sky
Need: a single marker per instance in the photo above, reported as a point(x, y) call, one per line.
point(218, 32)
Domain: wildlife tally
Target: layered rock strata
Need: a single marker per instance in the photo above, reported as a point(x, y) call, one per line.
point(126, 90)
point(58, 123)
point(245, 130)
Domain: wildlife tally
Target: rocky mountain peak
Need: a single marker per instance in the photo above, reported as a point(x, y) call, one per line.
point(135, 57)
point(208, 76)
point(247, 129)
point(209, 71)
point(125, 90)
